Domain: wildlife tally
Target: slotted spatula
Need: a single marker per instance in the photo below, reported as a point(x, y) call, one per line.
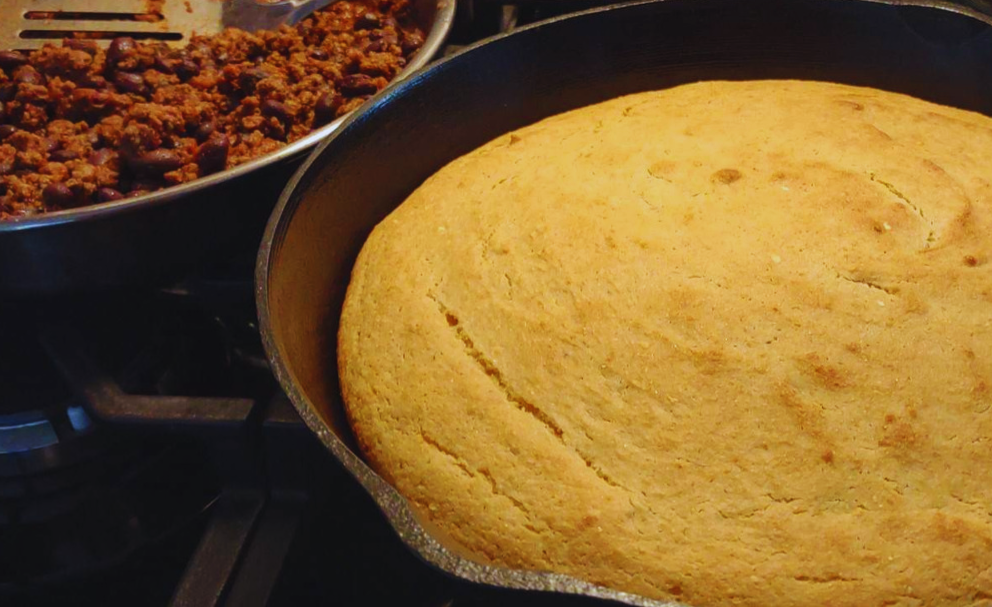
point(28, 24)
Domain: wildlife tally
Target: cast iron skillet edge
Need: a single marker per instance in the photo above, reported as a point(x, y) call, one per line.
point(395, 507)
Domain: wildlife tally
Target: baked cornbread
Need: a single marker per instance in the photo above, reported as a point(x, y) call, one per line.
point(728, 343)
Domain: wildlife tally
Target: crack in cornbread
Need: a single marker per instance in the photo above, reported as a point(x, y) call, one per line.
point(726, 343)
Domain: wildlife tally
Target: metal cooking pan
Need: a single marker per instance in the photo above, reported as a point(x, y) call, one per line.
point(941, 53)
point(164, 233)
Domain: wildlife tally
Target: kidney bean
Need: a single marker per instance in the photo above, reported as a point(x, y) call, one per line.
point(186, 69)
point(63, 155)
point(120, 48)
point(411, 42)
point(156, 162)
point(58, 194)
point(165, 63)
point(6, 130)
point(205, 130)
point(130, 83)
point(358, 84)
point(325, 110)
point(271, 107)
point(212, 155)
point(108, 195)
point(250, 77)
point(12, 59)
point(319, 54)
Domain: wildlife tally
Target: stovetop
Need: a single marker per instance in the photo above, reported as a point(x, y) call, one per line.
point(148, 458)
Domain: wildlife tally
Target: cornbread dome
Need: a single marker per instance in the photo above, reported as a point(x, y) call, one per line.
point(728, 343)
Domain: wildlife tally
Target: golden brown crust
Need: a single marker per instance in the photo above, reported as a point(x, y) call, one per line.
point(728, 343)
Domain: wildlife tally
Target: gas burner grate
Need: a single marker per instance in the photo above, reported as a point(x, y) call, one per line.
point(132, 421)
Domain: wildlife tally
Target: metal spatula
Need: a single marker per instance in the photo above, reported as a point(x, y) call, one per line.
point(28, 24)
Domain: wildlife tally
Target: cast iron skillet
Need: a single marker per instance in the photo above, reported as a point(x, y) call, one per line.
point(163, 234)
point(412, 129)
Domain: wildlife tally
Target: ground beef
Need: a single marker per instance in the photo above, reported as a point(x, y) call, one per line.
point(80, 124)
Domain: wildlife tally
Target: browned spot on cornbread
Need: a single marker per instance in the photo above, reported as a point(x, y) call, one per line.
point(709, 362)
point(878, 134)
point(726, 176)
point(824, 374)
point(854, 105)
point(662, 169)
point(933, 167)
point(897, 433)
point(806, 413)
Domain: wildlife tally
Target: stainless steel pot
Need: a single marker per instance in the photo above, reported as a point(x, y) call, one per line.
point(940, 52)
point(162, 234)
